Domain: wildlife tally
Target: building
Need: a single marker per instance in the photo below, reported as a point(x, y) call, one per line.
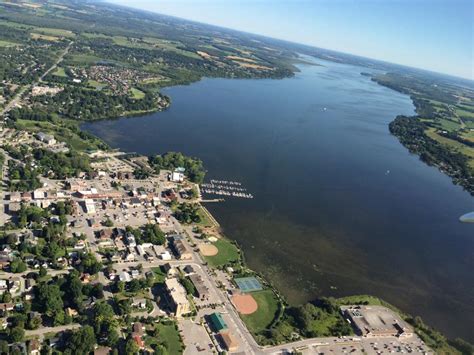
point(216, 322)
point(46, 138)
point(376, 321)
point(89, 206)
point(139, 303)
point(181, 250)
point(201, 288)
point(3, 286)
point(138, 328)
point(228, 341)
point(15, 197)
point(179, 300)
point(176, 176)
point(125, 276)
point(131, 240)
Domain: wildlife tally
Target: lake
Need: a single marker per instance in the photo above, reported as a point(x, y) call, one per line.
point(340, 205)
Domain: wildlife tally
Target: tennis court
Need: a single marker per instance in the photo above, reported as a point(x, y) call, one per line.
point(248, 284)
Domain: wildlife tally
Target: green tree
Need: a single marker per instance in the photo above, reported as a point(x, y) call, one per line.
point(3, 347)
point(131, 347)
point(82, 341)
point(17, 334)
point(17, 266)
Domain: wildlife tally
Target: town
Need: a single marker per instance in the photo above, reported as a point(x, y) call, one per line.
point(140, 258)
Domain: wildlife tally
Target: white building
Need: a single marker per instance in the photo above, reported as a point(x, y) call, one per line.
point(177, 176)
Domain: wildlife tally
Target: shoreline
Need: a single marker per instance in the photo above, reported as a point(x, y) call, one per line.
point(257, 271)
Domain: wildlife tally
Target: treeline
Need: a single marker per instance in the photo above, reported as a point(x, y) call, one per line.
point(194, 168)
point(86, 104)
point(55, 165)
point(411, 133)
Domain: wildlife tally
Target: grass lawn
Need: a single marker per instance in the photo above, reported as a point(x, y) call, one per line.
point(137, 94)
point(464, 113)
point(95, 84)
point(169, 337)
point(60, 72)
point(449, 125)
point(160, 276)
point(8, 44)
point(84, 59)
point(205, 220)
point(266, 312)
point(227, 252)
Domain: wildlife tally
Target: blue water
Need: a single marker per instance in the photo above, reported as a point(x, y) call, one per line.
point(340, 206)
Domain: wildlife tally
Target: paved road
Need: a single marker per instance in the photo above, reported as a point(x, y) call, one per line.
point(46, 330)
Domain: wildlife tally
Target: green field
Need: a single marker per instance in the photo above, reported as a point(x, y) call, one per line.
point(95, 84)
point(168, 337)
point(464, 113)
point(449, 125)
point(84, 59)
point(60, 72)
point(54, 31)
point(228, 252)
point(137, 94)
point(267, 311)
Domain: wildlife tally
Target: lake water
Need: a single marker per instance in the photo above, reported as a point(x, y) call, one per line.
point(340, 206)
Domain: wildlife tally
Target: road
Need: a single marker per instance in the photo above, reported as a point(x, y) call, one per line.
point(45, 330)
point(13, 102)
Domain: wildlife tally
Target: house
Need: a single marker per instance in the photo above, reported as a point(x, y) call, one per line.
point(34, 347)
point(29, 284)
point(124, 276)
point(139, 303)
point(14, 284)
point(135, 273)
point(105, 234)
point(4, 262)
point(71, 312)
point(138, 340)
point(3, 286)
point(138, 328)
point(6, 307)
point(131, 240)
point(179, 301)
point(26, 196)
point(39, 195)
point(15, 197)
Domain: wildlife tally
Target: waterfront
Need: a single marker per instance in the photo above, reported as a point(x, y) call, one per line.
point(340, 206)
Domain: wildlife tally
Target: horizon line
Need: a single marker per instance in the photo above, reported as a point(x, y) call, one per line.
point(471, 79)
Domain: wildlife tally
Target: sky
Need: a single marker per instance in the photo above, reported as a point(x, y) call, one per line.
point(437, 35)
